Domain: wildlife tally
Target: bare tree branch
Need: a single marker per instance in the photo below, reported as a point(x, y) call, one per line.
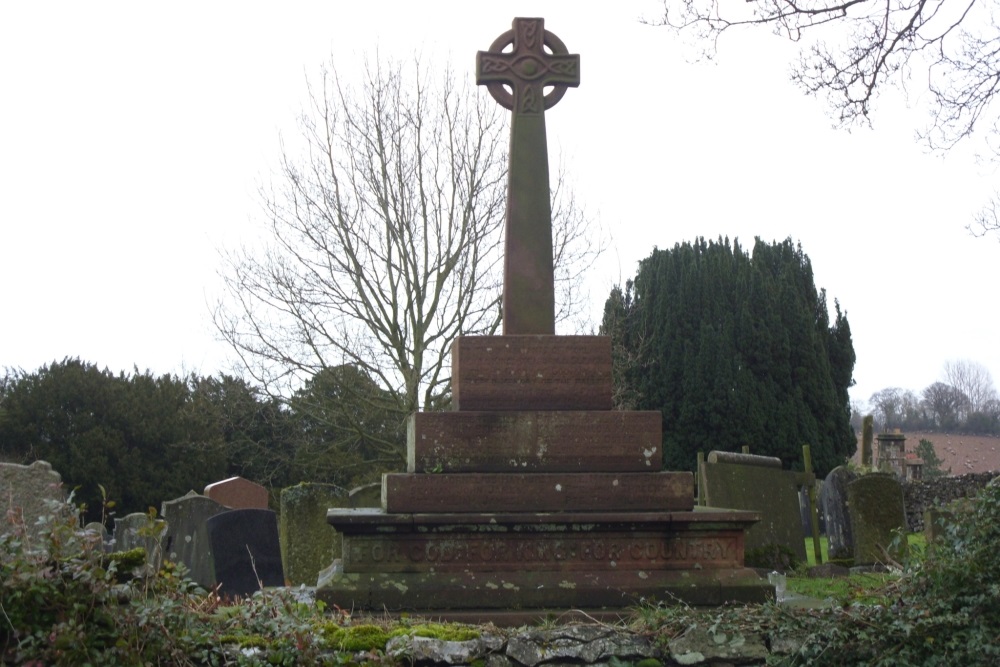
point(384, 244)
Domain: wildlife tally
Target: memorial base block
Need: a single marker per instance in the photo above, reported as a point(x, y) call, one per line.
point(434, 563)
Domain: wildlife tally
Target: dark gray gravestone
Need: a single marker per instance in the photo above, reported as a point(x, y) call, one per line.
point(833, 504)
point(758, 484)
point(245, 550)
point(875, 503)
point(186, 539)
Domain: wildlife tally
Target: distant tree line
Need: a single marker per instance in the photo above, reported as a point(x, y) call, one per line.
point(145, 439)
point(965, 401)
point(734, 348)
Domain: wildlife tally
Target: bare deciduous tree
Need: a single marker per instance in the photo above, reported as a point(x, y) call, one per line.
point(853, 49)
point(973, 380)
point(384, 240)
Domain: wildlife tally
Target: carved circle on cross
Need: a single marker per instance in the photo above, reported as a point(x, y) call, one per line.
point(502, 95)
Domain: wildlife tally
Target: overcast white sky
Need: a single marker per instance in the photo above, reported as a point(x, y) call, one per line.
point(132, 137)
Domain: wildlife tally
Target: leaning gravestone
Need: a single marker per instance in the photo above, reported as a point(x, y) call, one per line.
point(245, 551)
point(833, 500)
point(878, 517)
point(139, 530)
point(307, 543)
point(758, 483)
point(238, 493)
point(186, 538)
point(28, 493)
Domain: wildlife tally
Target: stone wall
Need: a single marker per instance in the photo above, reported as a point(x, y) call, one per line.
point(924, 494)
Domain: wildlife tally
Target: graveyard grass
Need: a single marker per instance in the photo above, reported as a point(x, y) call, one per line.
point(65, 602)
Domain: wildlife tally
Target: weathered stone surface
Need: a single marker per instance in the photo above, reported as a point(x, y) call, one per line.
point(308, 543)
point(139, 530)
point(744, 459)
point(833, 501)
point(424, 650)
point(532, 441)
point(368, 495)
point(246, 550)
point(99, 533)
point(578, 644)
point(238, 493)
point(27, 493)
point(921, 495)
point(936, 522)
point(584, 550)
point(517, 80)
point(562, 560)
point(469, 590)
point(531, 373)
point(875, 504)
point(771, 492)
point(186, 538)
point(537, 492)
point(698, 645)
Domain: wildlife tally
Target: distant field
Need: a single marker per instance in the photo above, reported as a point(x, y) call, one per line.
point(961, 453)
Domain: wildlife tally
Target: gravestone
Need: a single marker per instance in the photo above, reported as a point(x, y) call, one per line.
point(307, 543)
point(245, 551)
point(758, 484)
point(367, 495)
point(533, 493)
point(238, 493)
point(28, 492)
point(833, 501)
point(99, 532)
point(186, 537)
point(875, 505)
point(139, 530)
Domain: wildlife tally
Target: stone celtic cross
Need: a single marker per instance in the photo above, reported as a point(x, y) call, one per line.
point(527, 69)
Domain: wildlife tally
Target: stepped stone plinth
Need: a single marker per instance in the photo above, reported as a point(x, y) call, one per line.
point(533, 494)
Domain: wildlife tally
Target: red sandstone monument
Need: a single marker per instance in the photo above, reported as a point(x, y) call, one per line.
point(533, 495)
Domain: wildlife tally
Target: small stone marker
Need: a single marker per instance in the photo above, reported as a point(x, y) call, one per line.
point(138, 530)
point(98, 531)
point(758, 483)
point(27, 493)
point(238, 493)
point(833, 501)
point(186, 538)
point(245, 550)
point(528, 296)
point(875, 504)
point(307, 543)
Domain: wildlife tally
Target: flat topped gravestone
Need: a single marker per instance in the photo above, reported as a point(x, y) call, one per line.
point(527, 69)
